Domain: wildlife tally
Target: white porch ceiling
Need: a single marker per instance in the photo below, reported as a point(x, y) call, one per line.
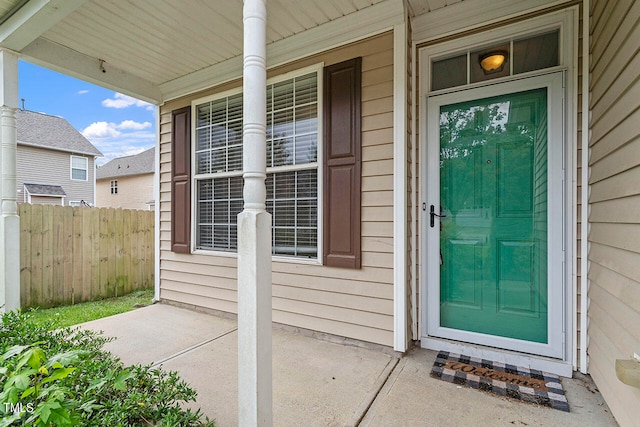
point(420, 7)
point(159, 49)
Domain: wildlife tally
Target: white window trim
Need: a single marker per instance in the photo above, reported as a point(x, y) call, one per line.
point(316, 68)
point(113, 185)
point(72, 168)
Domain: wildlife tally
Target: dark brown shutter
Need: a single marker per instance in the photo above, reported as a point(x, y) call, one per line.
point(181, 180)
point(342, 90)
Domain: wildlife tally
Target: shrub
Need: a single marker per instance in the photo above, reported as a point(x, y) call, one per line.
point(32, 393)
point(63, 378)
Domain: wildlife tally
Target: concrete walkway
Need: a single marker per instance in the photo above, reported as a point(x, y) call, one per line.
point(317, 382)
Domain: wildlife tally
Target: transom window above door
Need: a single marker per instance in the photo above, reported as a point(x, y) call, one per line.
point(502, 59)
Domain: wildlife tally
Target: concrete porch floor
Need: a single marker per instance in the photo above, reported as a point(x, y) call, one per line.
point(319, 382)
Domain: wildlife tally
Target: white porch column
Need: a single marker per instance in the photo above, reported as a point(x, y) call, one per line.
point(254, 233)
point(10, 221)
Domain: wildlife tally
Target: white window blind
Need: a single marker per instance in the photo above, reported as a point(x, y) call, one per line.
point(292, 169)
point(79, 168)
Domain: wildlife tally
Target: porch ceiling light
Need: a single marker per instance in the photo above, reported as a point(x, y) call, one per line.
point(493, 62)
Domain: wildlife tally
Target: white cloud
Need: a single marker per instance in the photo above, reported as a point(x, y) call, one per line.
point(112, 130)
point(120, 139)
point(123, 101)
point(82, 92)
point(112, 151)
point(101, 130)
point(131, 125)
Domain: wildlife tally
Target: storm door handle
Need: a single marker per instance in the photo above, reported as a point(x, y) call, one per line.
point(433, 215)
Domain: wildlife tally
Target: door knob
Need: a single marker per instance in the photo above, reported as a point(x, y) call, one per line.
point(433, 215)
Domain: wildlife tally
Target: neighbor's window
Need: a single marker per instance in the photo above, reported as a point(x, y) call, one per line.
point(292, 168)
point(114, 186)
point(79, 168)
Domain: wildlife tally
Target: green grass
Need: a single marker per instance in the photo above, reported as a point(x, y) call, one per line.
point(79, 313)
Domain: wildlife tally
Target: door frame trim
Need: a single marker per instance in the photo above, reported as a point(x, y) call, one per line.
point(555, 201)
point(568, 21)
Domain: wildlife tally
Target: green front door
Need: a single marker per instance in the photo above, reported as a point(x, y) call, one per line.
point(493, 228)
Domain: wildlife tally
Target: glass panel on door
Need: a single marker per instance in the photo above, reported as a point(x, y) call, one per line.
point(493, 199)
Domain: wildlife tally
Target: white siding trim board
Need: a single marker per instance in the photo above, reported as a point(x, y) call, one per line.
point(400, 187)
point(584, 197)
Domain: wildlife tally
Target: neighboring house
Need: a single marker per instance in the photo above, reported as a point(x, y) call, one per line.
point(463, 175)
point(55, 163)
point(127, 182)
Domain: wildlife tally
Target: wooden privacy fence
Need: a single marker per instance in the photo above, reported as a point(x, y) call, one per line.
point(73, 254)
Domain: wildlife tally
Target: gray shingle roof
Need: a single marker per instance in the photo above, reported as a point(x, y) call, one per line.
point(53, 132)
point(45, 190)
point(129, 165)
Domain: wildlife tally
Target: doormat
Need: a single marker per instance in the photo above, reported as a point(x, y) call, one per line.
point(528, 385)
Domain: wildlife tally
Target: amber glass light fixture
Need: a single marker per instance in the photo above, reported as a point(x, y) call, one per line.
point(493, 62)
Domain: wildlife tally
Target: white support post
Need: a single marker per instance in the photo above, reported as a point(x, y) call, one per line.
point(156, 208)
point(254, 233)
point(10, 221)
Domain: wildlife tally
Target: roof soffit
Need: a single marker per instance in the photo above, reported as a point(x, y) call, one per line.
point(420, 7)
point(32, 19)
point(162, 49)
point(366, 22)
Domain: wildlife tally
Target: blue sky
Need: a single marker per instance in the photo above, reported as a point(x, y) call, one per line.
point(116, 124)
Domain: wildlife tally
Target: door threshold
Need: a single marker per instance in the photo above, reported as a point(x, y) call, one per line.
point(541, 363)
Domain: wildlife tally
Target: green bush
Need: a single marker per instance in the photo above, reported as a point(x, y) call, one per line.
point(63, 378)
point(32, 393)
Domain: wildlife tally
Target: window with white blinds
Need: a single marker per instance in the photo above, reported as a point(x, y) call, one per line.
point(79, 168)
point(292, 168)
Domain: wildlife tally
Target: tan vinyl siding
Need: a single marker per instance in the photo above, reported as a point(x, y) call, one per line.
point(614, 255)
point(134, 192)
point(352, 303)
point(51, 167)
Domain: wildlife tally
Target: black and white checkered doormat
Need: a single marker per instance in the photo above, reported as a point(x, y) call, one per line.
point(528, 385)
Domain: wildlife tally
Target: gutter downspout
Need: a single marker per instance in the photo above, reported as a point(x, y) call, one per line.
point(95, 196)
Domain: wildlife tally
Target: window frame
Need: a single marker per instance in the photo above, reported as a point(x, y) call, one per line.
point(195, 177)
point(86, 169)
point(113, 186)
